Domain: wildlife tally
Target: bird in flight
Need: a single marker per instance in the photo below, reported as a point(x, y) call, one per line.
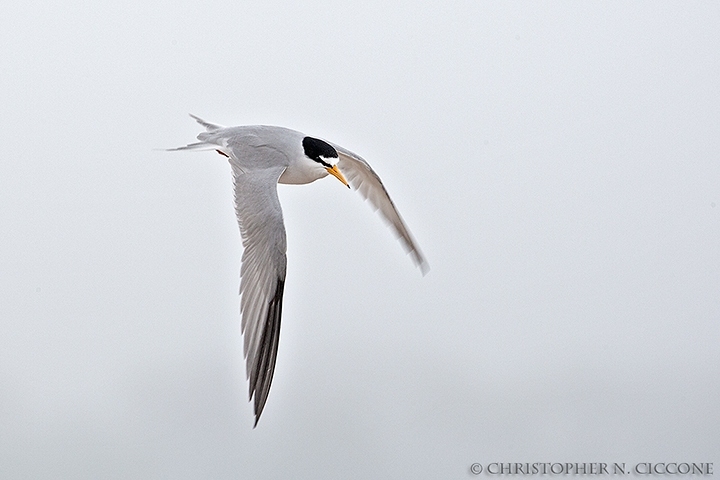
point(261, 157)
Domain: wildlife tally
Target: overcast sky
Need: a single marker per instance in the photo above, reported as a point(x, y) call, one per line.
point(558, 163)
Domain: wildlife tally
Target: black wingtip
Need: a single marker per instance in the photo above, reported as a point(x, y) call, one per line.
point(262, 375)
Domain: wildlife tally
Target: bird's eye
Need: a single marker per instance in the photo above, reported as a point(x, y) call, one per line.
point(321, 161)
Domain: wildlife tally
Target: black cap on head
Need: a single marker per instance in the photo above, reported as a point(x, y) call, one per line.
point(316, 148)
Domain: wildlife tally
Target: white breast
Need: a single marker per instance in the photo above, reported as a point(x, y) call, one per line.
point(302, 171)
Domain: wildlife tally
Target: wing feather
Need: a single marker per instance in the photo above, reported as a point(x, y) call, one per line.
point(262, 275)
point(364, 179)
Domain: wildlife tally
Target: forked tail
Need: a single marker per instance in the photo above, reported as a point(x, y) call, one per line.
point(210, 127)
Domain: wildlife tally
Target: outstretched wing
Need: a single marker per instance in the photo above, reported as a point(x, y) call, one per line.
point(262, 274)
point(364, 179)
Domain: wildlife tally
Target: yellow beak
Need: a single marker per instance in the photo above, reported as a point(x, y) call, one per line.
point(336, 173)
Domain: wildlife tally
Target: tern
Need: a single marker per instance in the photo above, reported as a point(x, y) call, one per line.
point(261, 157)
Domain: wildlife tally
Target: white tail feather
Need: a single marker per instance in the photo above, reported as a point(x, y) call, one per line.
point(208, 126)
point(194, 146)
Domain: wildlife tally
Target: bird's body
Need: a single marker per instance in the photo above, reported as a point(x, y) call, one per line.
point(261, 157)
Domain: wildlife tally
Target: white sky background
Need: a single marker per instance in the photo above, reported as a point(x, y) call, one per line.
point(557, 162)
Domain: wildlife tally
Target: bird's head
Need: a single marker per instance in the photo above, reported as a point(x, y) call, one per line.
point(324, 155)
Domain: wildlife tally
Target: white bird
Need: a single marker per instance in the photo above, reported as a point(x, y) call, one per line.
point(261, 157)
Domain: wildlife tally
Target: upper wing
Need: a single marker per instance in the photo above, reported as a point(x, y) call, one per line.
point(364, 179)
point(262, 274)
